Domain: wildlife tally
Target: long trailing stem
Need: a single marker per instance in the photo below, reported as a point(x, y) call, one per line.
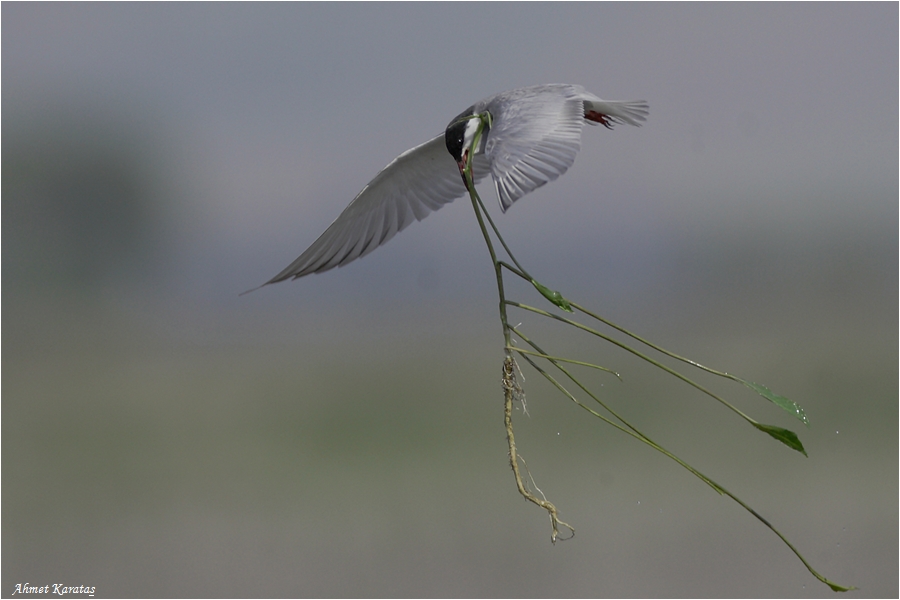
point(498, 271)
point(512, 391)
point(631, 429)
point(637, 353)
point(634, 432)
point(521, 271)
point(786, 404)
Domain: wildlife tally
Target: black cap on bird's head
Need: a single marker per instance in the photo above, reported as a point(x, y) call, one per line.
point(460, 137)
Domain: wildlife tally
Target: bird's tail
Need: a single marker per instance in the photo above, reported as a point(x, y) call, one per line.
point(606, 112)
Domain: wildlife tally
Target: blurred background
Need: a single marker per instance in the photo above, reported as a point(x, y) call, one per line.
point(342, 435)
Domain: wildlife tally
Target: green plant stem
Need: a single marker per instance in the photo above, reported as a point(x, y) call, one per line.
point(656, 347)
point(635, 433)
point(637, 353)
point(512, 390)
point(521, 271)
point(631, 429)
point(559, 358)
point(788, 405)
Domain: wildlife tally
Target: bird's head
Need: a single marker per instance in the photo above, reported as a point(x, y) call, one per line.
point(465, 137)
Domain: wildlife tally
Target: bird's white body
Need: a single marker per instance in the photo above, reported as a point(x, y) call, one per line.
point(534, 136)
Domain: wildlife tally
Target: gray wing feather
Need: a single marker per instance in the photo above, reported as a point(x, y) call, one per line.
point(534, 140)
point(414, 184)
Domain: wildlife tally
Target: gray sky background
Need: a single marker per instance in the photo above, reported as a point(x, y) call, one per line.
point(271, 118)
point(753, 219)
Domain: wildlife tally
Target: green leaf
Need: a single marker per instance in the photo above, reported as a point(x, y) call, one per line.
point(785, 436)
point(553, 296)
point(785, 403)
point(836, 587)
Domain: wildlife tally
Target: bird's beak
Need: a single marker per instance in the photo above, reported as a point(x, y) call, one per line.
point(463, 164)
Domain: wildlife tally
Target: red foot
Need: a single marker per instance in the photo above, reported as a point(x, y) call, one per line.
point(596, 117)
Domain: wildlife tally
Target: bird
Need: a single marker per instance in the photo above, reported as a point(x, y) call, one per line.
point(530, 137)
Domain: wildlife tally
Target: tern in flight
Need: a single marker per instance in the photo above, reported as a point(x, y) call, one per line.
point(529, 136)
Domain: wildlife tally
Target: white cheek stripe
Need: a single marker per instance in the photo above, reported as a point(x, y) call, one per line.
point(469, 135)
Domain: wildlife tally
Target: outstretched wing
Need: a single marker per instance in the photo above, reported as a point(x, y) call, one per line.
point(417, 182)
point(537, 133)
point(534, 139)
